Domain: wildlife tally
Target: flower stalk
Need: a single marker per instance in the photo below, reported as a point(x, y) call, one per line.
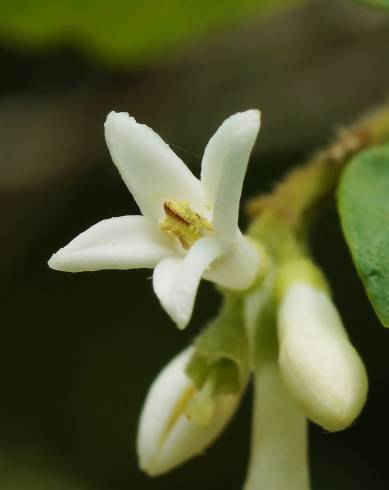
point(278, 458)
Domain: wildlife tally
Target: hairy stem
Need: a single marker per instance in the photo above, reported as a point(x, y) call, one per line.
point(299, 195)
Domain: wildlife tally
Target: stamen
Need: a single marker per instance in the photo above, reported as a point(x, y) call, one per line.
point(183, 223)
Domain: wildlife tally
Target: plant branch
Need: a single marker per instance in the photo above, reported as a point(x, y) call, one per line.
point(298, 196)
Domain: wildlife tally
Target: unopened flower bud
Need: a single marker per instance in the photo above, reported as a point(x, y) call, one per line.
point(321, 369)
point(179, 422)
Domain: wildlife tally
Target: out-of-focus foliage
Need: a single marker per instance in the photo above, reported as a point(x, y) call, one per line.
point(32, 470)
point(126, 31)
point(364, 209)
point(376, 3)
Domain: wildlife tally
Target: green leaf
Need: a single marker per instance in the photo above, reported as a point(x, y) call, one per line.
point(375, 3)
point(124, 31)
point(363, 204)
point(222, 350)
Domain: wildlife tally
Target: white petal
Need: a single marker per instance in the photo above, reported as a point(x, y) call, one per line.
point(127, 242)
point(238, 268)
point(151, 170)
point(176, 280)
point(224, 167)
point(166, 437)
point(319, 366)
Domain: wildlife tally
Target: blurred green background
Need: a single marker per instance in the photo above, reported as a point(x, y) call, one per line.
point(78, 352)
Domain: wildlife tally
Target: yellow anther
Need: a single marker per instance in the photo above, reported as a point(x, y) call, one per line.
point(183, 223)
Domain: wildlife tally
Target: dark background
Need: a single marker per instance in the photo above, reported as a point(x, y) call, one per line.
point(78, 352)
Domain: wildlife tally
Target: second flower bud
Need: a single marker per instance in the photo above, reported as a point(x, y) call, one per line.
point(177, 421)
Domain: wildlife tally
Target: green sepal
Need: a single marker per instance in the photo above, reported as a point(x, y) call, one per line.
point(363, 205)
point(222, 350)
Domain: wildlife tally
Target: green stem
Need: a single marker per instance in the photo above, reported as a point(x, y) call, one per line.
point(297, 198)
point(279, 439)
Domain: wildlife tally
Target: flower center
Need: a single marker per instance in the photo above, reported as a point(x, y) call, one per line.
point(183, 223)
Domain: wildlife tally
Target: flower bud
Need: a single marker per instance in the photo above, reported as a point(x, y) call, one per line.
point(321, 369)
point(170, 433)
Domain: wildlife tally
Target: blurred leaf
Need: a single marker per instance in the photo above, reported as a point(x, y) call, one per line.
point(32, 469)
point(375, 3)
point(363, 204)
point(124, 31)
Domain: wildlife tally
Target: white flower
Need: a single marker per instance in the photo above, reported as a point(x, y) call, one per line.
point(166, 437)
point(321, 369)
point(189, 228)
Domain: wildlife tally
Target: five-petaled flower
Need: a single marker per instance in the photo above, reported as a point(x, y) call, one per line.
point(189, 228)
